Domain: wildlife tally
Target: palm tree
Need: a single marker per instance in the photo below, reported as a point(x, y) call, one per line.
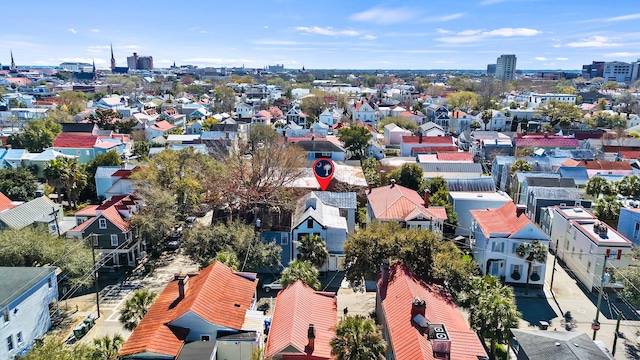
point(55, 172)
point(358, 338)
point(107, 347)
point(303, 271)
point(486, 117)
point(597, 186)
point(66, 173)
point(475, 125)
point(136, 307)
point(607, 209)
point(521, 165)
point(492, 310)
point(534, 251)
point(312, 248)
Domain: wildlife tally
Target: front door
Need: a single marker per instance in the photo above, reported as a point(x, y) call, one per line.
point(494, 269)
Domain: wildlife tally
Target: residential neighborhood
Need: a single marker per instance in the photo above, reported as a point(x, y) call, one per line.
point(210, 208)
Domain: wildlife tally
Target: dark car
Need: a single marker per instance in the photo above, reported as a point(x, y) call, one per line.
point(172, 245)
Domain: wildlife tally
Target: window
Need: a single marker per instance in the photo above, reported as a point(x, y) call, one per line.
point(580, 255)
point(114, 239)
point(284, 240)
point(588, 267)
point(497, 246)
point(205, 337)
point(9, 343)
point(514, 246)
point(566, 245)
point(102, 223)
point(50, 283)
point(310, 224)
point(636, 230)
point(95, 240)
point(535, 269)
point(19, 338)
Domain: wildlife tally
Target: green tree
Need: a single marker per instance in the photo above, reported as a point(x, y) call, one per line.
point(106, 347)
point(37, 135)
point(313, 106)
point(440, 197)
point(54, 347)
point(225, 98)
point(66, 174)
point(136, 307)
point(629, 186)
point(358, 338)
point(609, 85)
point(486, 117)
point(597, 186)
point(521, 165)
point(355, 139)
point(407, 175)
point(492, 310)
point(531, 252)
point(627, 101)
point(475, 125)
point(404, 123)
point(463, 100)
point(156, 218)
point(262, 134)
point(303, 271)
point(312, 248)
point(18, 184)
point(72, 102)
point(371, 170)
point(607, 209)
point(229, 258)
point(557, 111)
point(602, 104)
point(630, 277)
point(547, 128)
point(141, 150)
point(111, 158)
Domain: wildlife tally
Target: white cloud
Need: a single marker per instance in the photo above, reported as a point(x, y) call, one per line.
point(593, 41)
point(204, 32)
point(369, 37)
point(384, 16)
point(275, 42)
point(623, 54)
point(327, 31)
point(97, 49)
point(385, 62)
point(468, 36)
point(266, 26)
point(443, 31)
point(541, 58)
point(84, 60)
point(444, 18)
point(623, 18)
point(217, 61)
point(562, 58)
point(163, 61)
point(95, 30)
point(72, 30)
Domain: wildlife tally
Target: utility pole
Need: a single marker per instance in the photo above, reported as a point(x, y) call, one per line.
point(615, 336)
point(553, 269)
point(596, 324)
point(95, 273)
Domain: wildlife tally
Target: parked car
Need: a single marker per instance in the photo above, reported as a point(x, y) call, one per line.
point(272, 286)
point(190, 221)
point(172, 245)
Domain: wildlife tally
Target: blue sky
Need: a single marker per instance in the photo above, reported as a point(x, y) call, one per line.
point(398, 34)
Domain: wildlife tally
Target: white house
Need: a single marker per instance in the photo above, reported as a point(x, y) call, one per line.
point(28, 302)
point(536, 99)
point(296, 116)
point(460, 121)
point(365, 112)
point(496, 236)
point(111, 103)
point(315, 217)
point(499, 122)
point(393, 134)
point(465, 201)
point(582, 242)
point(244, 111)
point(330, 117)
point(431, 129)
point(263, 117)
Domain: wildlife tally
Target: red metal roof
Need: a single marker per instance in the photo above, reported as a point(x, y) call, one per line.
point(630, 154)
point(605, 165)
point(428, 140)
point(503, 220)
point(407, 341)
point(75, 141)
point(217, 294)
point(163, 125)
point(433, 149)
point(5, 203)
point(400, 203)
point(455, 156)
point(296, 308)
point(547, 142)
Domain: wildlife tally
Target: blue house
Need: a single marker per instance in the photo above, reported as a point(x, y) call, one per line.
point(577, 173)
point(629, 224)
point(28, 301)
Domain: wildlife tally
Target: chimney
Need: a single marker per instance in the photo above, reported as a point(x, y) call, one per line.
point(418, 306)
point(370, 188)
point(311, 336)
point(183, 285)
point(427, 193)
point(420, 137)
point(546, 134)
point(520, 209)
point(384, 272)
point(393, 182)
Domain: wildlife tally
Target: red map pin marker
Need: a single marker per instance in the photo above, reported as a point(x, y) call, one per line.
point(323, 169)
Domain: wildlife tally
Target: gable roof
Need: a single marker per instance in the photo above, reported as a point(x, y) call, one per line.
point(291, 320)
point(551, 182)
point(408, 342)
point(38, 209)
point(602, 165)
point(428, 140)
point(451, 167)
point(163, 125)
point(217, 294)
point(579, 174)
point(479, 184)
point(319, 146)
point(397, 202)
point(6, 203)
point(547, 142)
point(343, 200)
point(75, 141)
point(503, 220)
point(565, 345)
point(325, 214)
point(15, 281)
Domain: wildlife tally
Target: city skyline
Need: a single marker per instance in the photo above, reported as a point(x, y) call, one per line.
point(337, 35)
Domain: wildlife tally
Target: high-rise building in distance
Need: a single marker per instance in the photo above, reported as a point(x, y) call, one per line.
point(506, 67)
point(136, 62)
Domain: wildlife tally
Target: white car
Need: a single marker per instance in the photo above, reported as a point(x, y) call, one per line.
point(272, 286)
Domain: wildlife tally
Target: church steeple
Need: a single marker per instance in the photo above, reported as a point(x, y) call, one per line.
point(94, 70)
point(13, 64)
point(113, 60)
